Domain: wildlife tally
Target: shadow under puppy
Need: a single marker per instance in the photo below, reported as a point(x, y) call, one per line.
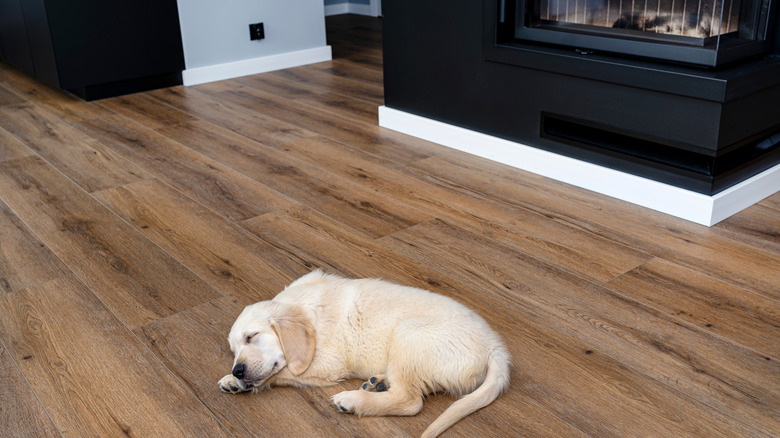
point(405, 342)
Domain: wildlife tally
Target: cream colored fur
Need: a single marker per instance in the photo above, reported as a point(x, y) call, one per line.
point(323, 329)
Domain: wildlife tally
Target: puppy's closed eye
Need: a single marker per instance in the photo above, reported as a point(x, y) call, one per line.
point(250, 336)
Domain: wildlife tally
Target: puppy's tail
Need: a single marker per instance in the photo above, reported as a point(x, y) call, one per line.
point(496, 382)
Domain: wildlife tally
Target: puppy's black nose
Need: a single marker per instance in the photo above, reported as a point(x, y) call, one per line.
point(238, 371)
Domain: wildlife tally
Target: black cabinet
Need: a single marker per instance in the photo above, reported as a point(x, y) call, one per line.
point(94, 48)
point(13, 35)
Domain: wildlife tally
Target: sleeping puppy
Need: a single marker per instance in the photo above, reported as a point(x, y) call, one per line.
point(405, 342)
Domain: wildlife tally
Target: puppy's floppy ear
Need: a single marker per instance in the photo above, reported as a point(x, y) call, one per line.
point(297, 336)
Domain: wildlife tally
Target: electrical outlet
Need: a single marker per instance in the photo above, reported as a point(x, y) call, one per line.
point(256, 31)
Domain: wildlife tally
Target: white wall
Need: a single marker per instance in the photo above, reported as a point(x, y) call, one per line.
point(216, 40)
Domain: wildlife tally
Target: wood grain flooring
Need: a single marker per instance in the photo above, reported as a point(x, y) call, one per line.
point(134, 229)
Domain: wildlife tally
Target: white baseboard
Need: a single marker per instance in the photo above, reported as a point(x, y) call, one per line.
point(349, 8)
point(219, 72)
point(696, 207)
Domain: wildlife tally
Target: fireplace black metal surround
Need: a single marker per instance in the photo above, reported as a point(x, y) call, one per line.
point(702, 129)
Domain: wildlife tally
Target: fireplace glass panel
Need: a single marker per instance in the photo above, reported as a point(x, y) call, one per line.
point(706, 32)
point(698, 19)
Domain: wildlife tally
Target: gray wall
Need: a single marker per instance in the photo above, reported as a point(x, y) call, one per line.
point(218, 32)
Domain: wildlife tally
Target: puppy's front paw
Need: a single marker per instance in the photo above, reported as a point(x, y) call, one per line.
point(346, 401)
point(230, 384)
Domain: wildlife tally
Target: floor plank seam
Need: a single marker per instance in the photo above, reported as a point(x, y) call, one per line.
point(27, 382)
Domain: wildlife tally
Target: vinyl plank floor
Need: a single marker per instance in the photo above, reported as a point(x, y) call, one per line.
point(236, 263)
point(344, 68)
point(218, 187)
point(355, 205)
point(79, 156)
point(676, 240)
point(338, 84)
point(22, 415)
point(335, 99)
point(11, 148)
point(380, 141)
point(25, 261)
point(581, 252)
point(90, 372)
point(758, 226)
point(8, 97)
point(146, 110)
point(772, 202)
point(137, 280)
point(252, 124)
point(65, 105)
point(715, 306)
point(134, 229)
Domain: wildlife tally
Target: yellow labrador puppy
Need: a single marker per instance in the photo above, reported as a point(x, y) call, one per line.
point(405, 342)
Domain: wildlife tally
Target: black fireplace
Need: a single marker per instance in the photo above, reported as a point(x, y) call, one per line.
point(619, 83)
point(700, 32)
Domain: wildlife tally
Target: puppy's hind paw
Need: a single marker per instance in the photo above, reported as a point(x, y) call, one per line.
point(377, 384)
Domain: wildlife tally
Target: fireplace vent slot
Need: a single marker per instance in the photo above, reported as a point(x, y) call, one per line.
point(606, 142)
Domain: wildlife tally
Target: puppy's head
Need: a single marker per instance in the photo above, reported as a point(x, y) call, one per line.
point(267, 337)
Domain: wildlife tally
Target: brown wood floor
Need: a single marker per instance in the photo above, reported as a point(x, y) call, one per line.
point(134, 229)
